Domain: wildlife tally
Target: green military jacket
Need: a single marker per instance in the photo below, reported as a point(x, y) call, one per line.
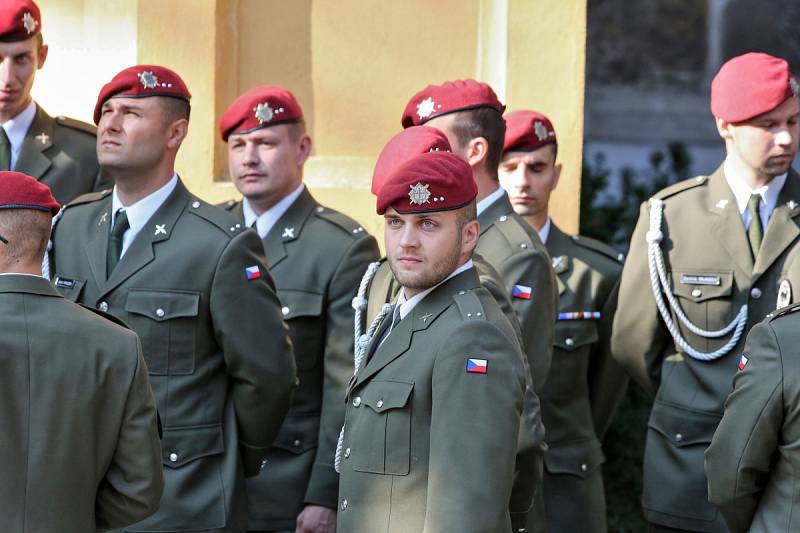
point(79, 448)
point(712, 274)
point(754, 458)
point(514, 249)
point(316, 257)
point(194, 285)
point(585, 384)
point(61, 153)
point(430, 446)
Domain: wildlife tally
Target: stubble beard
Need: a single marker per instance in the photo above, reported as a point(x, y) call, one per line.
point(432, 276)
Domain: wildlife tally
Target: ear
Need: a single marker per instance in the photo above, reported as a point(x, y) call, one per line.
point(556, 176)
point(724, 129)
point(304, 146)
point(41, 55)
point(469, 236)
point(177, 132)
point(477, 151)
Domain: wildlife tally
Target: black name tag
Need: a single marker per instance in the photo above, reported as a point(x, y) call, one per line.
point(65, 283)
point(700, 279)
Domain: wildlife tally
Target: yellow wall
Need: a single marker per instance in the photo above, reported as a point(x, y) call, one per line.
point(352, 64)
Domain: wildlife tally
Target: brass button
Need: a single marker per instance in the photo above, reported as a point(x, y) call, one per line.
point(173, 457)
point(160, 313)
point(357, 401)
point(103, 306)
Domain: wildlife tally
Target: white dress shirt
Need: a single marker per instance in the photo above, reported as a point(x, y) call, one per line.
point(544, 233)
point(17, 128)
point(140, 212)
point(489, 200)
point(268, 218)
point(742, 192)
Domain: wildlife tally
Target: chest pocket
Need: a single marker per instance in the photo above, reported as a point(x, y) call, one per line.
point(573, 342)
point(706, 298)
point(380, 439)
point(165, 322)
point(302, 311)
point(70, 288)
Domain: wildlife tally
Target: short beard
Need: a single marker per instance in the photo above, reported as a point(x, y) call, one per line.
point(420, 281)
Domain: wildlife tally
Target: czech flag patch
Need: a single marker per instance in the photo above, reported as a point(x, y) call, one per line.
point(477, 366)
point(743, 362)
point(252, 272)
point(521, 291)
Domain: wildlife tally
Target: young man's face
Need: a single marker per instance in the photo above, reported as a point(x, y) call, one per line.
point(529, 178)
point(19, 62)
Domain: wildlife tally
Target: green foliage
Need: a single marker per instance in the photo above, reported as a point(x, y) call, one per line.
point(611, 218)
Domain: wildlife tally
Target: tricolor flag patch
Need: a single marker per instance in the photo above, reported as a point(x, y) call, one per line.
point(477, 366)
point(252, 272)
point(521, 291)
point(743, 362)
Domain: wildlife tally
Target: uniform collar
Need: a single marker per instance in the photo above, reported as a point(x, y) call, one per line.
point(139, 213)
point(17, 128)
point(406, 306)
point(268, 218)
point(489, 200)
point(545, 231)
point(742, 192)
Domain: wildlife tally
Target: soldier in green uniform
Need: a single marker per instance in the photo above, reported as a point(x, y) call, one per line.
point(59, 152)
point(433, 411)
point(79, 448)
point(709, 258)
point(316, 257)
point(585, 384)
point(193, 283)
point(751, 463)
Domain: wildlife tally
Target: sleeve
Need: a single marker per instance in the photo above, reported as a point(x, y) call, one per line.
point(638, 336)
point(338, 367)
point(473, 431)
point(131, 489)
point(607, 379)
point(255, 343)
point(537, 315)
point(737, 463)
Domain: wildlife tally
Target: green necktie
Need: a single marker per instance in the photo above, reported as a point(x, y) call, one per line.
point(5, 150)
point(115, 241)
point(755, 232)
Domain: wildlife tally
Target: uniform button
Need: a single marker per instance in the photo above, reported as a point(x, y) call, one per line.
point(344, 505)
point(320, 209)
point(173, 457)
point(755, 293)
point(523, 245)
point(679, 437)
point(297, 443)
point(347, 453)
point(379, 404)
point(503, 218)
point(160, 312)
point(584, 467)
point(569, 341)
point(697, 293)
point(103, 306)
point(285, 310)
point(263, 464)
point(357, 401)
point(195, 204)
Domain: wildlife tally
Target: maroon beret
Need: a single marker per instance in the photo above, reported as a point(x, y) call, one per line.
point(528, 131)
point(140, 81)
point(427, 182)
point(19, 19)
point(20, 191)
point(449, 97)
point(260, 107)
point(750, 85)
point(405, 145)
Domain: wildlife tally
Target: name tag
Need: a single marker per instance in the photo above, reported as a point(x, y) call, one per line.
point(65, 283)
point(700, 279)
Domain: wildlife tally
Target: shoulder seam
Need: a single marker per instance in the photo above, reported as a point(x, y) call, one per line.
point(681, 186)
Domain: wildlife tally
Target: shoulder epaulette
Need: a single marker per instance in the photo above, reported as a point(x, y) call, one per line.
point(88, 198)
point(514, 233)
point(76, 125)
point(216, 216)
point(470, 305)
point(341, 220)
point(229, 205)
point(782, 311)
point(681, 186)
point(599, 247)
point(107, 316)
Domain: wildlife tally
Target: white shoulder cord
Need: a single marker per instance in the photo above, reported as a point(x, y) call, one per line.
point(361, 341)
point(658, 281)
point(46, 258)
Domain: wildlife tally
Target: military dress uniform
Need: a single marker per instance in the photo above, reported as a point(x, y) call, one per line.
point(585, 383)
point(316, 256)
point(752, 462)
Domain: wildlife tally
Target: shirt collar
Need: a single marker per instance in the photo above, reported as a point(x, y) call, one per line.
point(406, 306)
point(140, 212)
point(17, 128)
point(489, 200)
point(742, 192)
point(268, 218)
point(544, 233)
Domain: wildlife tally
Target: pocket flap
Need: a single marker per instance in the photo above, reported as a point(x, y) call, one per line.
point(70, 288)
point(576, 458)
point(161, 305)
point(683, 427)
point(183, 445)
point(700, 286)
point(572, 334)
point(381, 396)
point(298, 433)
point(299, 303)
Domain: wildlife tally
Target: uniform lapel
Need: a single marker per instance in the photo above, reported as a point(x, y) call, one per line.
point(782, 229)
point(39, 138)
point(557, 245)
point(727, 224)
point(288, 228)
point(96, 247)
point(498, 208)
point(158, 229)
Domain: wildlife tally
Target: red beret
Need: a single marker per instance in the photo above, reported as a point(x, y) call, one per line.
point(20, 191)
point(432, 181)
point(750, 85)
point(451, 96)
point(140, 81)
point(19, 19)
point(528, 131)
point(260, 107)
point(402, 147)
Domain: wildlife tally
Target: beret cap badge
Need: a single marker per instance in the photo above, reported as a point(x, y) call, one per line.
point(29, 22)
point(419, 194)
point(540, 130)
point(148, 79)
point(264, 113)
point(425, 108)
